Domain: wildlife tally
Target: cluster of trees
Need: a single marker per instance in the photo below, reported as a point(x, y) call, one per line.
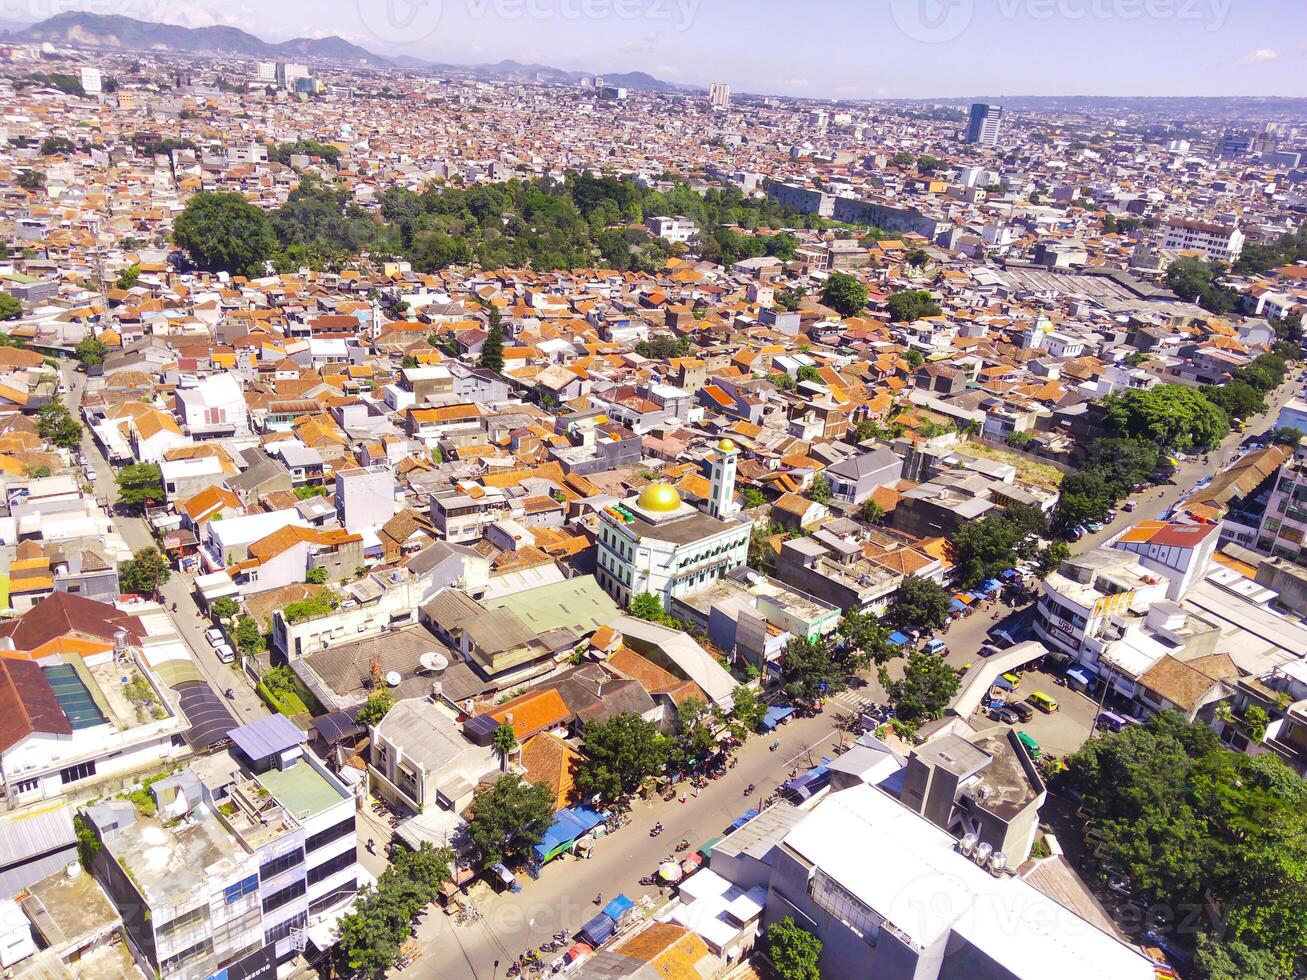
point(664, 347)
point(911, 304)
point(91, 351)
point(926, 688)
point(509, 817)
point(372, 936)
point(1169, 416)
point(1244, 394)
point(844, 294)
point(1203, 828)
point(10, 307)
point(1200, 282)
point(582, 221)
point(1258, 257)
point(56, 424)
point(794, 952)
point(826, 665)
point(1111, 469)
point(282, 152)
point(626, 750)
point(982, 549)
point(1112, 225)
point(318, 604)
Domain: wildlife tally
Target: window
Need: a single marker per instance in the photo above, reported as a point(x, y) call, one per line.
point(280, 931)
point(172, 963)
point(324, 837)
point(331, 866)
point(184, 921)
point(277, 865)
point(333, 897)
point(73, 774)
point(234, 893)
point(287, 894)
point(26, 786)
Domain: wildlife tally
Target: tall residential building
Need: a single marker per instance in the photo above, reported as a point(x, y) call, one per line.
point(984, 123)
point(1284, 525)
point(266, 72)
point(92, 83)
point(1220, 243)
point(719, 95)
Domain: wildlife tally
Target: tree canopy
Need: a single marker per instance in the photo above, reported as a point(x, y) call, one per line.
point(844, 294)
point(508, 818)
point(223, 232)
point(140, 483)
point(923, 692)
point(1171, 416)
point(619, 755)
point(920, 603)
point(1190, 822)
point(10, 308)
point(144, 572)
point(911, 304)
point(793, 951)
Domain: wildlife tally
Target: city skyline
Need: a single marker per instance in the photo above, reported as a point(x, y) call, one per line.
point(907, 49)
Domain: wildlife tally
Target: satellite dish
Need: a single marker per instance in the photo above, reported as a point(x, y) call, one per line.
point(433, 662)
point(393, 679)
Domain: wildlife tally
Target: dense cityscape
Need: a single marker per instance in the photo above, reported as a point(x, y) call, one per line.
point(507, 522)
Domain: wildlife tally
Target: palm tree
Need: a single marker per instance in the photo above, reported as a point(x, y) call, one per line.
point(504, 741)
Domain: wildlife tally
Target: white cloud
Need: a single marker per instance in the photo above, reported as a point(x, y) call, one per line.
point(1254, 57)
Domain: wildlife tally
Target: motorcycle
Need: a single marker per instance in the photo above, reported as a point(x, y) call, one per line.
point(684, 845)
point(748, 790)
point(657, 829)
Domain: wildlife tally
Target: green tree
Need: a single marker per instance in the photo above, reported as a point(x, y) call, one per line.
point(372, 935)
point(91, 351)
point(10, 308)
point(925, 690)
point(920, 603)
point(375, 708)
point(753, 497)
point(844, 294)
point(914, 358)
point(793, 951)
point(647, 606)
point(747, 710)
point(872, 512)
point(911, 304)
point(55, 423)
point(808, 373)
point(31, 180)
point(1237, 399)
point(620, 754)
point(140, 483)
point(508, 818)
point(810, 669)
point(982, 549)
point(1233, 960)
point(408, 361)
point(249, 638)
point(866, 641)
point(492, 351)
point(504, 741)
point(820, 491)
point(927, 164)
point(223, 232)
point(128, 277)
point(225, 608)
point(145, 572)
point(1052, 556)
point(316, 576)
point(1169, 415)
point(57, 146)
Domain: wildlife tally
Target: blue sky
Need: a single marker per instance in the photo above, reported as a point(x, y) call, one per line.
point(816, 48)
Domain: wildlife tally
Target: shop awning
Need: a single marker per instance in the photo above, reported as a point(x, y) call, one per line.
point(1081, 674)
point(775, 715)
point(1003, 685)
point(744, 818)
point(618, 907)
point(597, 930)
point(900, 639)
point(568, 825)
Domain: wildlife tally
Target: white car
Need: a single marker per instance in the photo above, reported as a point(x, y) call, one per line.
point(214, 636)
point(225, 653)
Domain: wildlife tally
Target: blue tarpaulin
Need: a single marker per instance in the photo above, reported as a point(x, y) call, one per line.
point(991, 585)
point(774, 715)
point(1009, 575)
point(618, 907)
point(744, 818)
point(957, 606)
point(1005, 685)
point(597, 930)
point(568, 825)
point(898, 638)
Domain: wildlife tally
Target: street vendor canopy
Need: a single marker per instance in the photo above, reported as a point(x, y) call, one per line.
point(597, 930)
point(568, 825)
point(618, 907)
point(775, 715)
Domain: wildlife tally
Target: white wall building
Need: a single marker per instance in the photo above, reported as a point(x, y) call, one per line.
point(1220, 243)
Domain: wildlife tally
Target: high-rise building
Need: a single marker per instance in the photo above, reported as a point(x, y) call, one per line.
point(92, 84)
point(983, 123)
point(719, 95)
point(266, 71)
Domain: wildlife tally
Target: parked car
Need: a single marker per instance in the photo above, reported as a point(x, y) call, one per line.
point(225, 653)
point(1005, 715)
point(1130, 506)
point(1022, 710)
point(214, 636)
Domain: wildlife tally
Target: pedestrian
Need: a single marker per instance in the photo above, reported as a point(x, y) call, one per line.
point(683, 796)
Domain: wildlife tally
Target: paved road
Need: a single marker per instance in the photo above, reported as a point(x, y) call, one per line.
point(563, 897)
point(1155, 501)
point(187, 620)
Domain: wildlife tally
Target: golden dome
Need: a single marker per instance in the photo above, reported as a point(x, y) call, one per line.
point(659, 498)
point(726, 446)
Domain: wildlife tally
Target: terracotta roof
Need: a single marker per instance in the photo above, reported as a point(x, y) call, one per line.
point(27, 704)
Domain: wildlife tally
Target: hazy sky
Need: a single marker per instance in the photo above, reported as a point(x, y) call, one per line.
point(831, 48)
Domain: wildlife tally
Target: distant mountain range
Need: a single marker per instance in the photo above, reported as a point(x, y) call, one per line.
point(128, 34)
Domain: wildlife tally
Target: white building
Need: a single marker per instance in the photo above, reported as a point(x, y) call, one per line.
point(657, 543)
point(365, 497)
point(92, 82)
point(1220, 243)
point(266, 72)
point(213, 407)
point(675, 228)
point(719, 95)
